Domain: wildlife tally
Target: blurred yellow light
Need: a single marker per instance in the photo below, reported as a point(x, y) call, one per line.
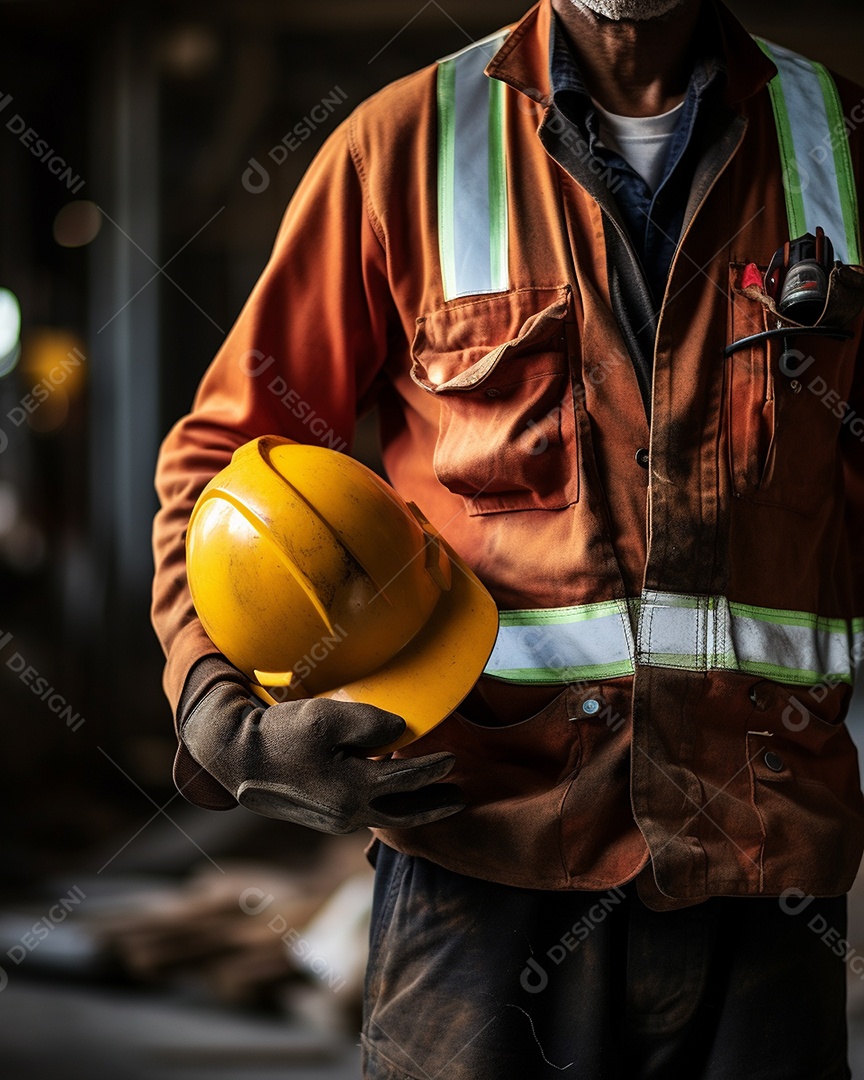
point(53, 360)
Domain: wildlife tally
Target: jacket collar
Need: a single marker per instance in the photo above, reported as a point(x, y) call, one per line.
point(523, 60)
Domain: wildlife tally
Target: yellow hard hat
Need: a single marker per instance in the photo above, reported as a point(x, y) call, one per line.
point(316, 579)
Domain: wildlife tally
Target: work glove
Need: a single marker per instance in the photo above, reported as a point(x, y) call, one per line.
point(304, 760)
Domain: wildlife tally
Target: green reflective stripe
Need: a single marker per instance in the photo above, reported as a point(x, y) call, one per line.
point(790, 618)
point(818, 180)
point(547, 616)
point(552, 676)
point(472, 174)
point(691, 633)
point(786, 675)
point(498, 238)
point(692, 661)
point(796, 677)
point(765, 670)
point(446, 173)
point(842, 163)
point(794, 198)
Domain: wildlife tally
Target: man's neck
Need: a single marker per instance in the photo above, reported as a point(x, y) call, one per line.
point(633, 68)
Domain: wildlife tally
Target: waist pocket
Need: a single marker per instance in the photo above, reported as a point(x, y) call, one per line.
point(805, 785)
point(786, 401)
point(500, 369)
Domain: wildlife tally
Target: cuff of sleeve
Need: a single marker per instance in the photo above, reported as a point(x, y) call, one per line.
point(189, 646)
point(197, 785)
point(185, 686)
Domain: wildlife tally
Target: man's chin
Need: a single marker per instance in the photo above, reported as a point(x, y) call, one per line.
point(629, 10)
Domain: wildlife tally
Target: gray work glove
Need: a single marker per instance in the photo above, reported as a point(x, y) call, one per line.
point(303, 760)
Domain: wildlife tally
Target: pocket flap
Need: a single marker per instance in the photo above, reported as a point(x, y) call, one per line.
point(446, 358)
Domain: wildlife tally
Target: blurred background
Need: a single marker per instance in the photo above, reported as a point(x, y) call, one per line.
point(139, 936)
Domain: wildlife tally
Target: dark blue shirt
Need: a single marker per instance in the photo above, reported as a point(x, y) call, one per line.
point(653, 219)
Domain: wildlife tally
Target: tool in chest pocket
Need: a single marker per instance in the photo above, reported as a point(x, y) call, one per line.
point(795, 288)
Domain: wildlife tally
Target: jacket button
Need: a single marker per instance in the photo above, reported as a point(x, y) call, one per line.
point(591, 706)
point(774, 761)
point(642, 458)
point(493, 391)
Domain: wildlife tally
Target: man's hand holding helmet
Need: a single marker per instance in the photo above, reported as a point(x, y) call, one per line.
point(314, 580)
point(303, 761)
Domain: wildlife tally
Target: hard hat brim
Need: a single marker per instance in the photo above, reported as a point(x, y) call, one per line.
point(435, 671)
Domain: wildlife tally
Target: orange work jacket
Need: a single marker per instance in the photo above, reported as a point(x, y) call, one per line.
point(680, 597)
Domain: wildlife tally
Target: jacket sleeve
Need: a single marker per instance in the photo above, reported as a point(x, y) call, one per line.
point(304, 352)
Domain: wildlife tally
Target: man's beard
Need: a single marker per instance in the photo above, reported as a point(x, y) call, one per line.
point(631, 10)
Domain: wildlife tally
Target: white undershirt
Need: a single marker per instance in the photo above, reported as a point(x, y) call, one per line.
point(643, 141)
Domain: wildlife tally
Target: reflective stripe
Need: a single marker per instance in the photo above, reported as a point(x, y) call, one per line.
point(472, 177)
point(817, 166)
point(818, 179)
point(694, 633)
point(711, 633)
point(593, 641)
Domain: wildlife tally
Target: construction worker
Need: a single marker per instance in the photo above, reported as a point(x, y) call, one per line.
point(599, 272)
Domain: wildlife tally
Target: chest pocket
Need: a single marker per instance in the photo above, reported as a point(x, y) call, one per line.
point(499, 367)
point(786, 402)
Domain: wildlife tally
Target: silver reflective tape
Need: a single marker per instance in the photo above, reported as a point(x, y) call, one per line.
point(594, 641)
point(813, 175)
point(471, 241)
point(708, 633)
point(472, 214)
point(694, 629)
point(799, 648)
point(691, 633)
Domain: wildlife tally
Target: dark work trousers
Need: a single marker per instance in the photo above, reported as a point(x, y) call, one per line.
point(468, 980)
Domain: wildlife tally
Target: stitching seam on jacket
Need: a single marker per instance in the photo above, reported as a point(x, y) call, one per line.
point(362, 176)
